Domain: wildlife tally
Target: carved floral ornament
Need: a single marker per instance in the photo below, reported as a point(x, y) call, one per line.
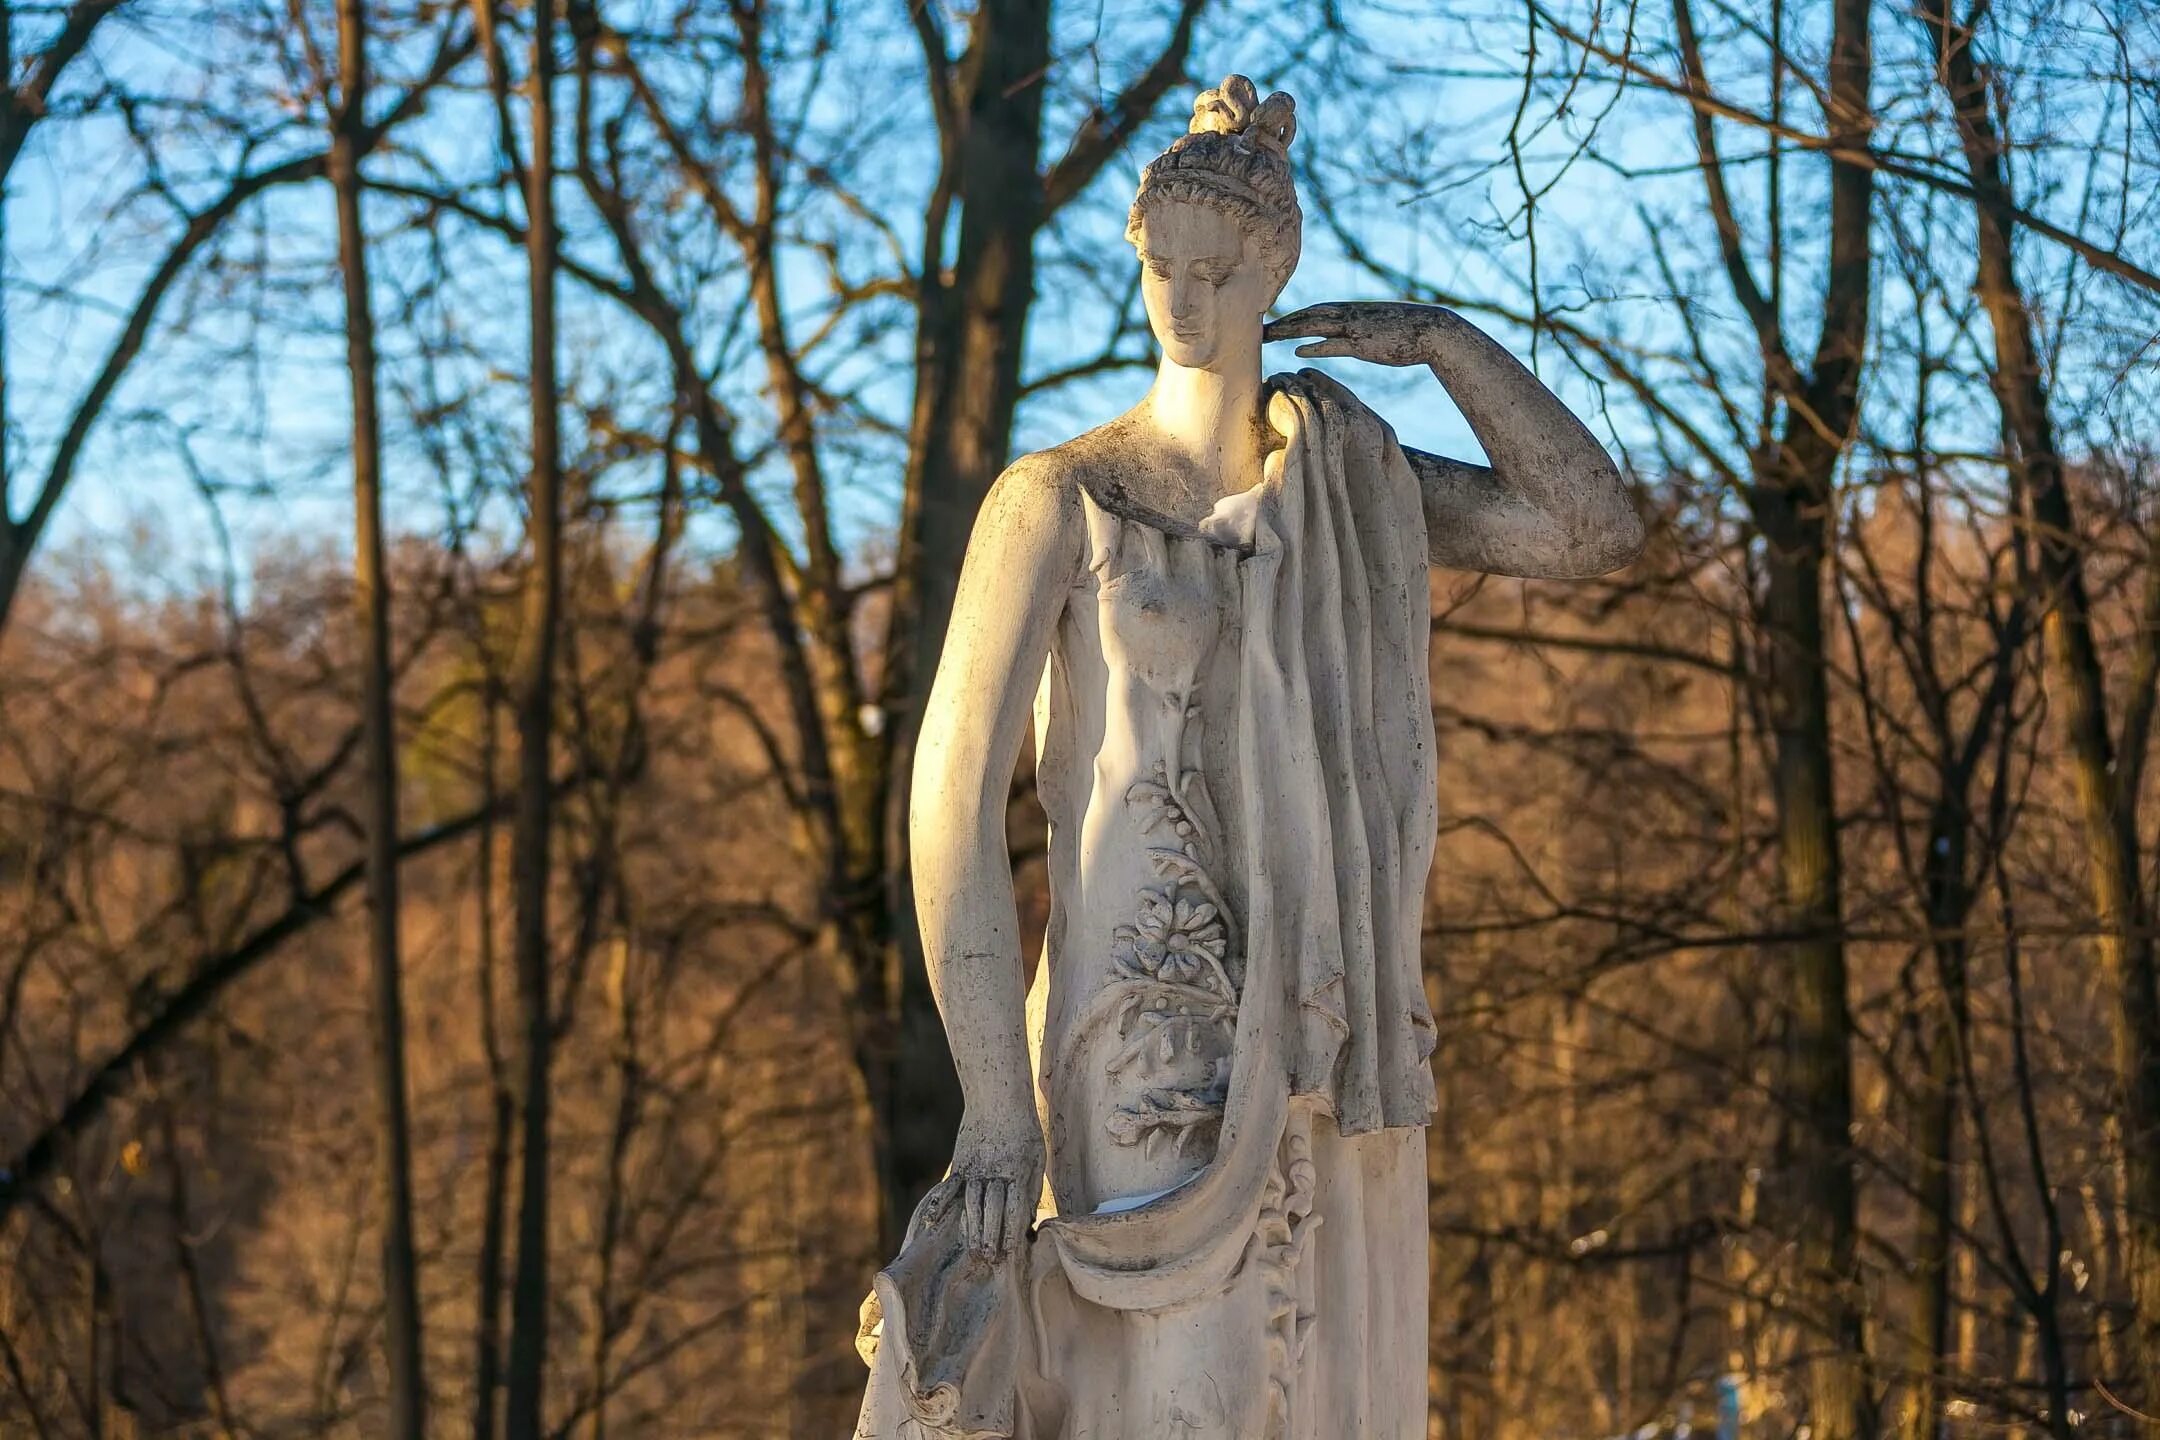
point(1175, 976)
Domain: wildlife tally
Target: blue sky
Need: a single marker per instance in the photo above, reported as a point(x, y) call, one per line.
point(1413, 159)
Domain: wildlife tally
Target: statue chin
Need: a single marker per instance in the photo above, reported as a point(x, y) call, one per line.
point(1198, 352)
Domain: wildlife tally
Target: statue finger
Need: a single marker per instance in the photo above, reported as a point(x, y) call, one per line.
point(971, 1213)
point(1322, 319)
point(1317, 349)
point(992, 1241)
point(1019, 1213)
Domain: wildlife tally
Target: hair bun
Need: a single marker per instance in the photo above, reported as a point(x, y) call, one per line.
point(1235, 108)
point(1234, 158)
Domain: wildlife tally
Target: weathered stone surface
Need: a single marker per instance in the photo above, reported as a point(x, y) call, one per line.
point(1188, 1197)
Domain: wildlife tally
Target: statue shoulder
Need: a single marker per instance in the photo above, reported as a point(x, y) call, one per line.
point(1033, 512)
point(1033, 484)
point(1097, 462)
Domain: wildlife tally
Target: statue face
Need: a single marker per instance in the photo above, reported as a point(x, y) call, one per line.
point(1205, 291)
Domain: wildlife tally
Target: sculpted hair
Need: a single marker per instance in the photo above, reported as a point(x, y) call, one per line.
point(1235, 158)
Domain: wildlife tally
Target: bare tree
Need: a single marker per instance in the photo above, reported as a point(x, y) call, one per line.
point(846, 706)
point(2108, 773)
point(371, 602)
point(22, 106)
point(197, 228)
point(1790, 500)
point(533, 696)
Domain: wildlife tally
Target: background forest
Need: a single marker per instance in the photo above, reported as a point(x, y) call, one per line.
point(483, 486)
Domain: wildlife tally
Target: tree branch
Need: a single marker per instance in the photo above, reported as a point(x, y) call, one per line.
point(208, 979)
point(25, 106)
point(202, 226)
point(1103, 134)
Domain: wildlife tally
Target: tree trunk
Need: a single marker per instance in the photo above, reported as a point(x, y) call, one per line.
point(502, 1109)
point(971, 331)
point(371, 599)
point(1818, 1066)
point(534, 699)
point(968, 384)
point(1934, 1139)
point(11, 551)
point(1793, 507)
point(2108, 809)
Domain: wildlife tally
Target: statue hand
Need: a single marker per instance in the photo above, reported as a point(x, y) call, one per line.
point(1381, 332)
point(999, 1162)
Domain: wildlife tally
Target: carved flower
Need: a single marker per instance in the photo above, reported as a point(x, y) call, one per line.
point(1174, 937)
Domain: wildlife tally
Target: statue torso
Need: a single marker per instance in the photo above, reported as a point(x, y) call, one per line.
point(1139, 733)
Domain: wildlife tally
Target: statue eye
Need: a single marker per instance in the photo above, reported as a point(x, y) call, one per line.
point(1215, 274)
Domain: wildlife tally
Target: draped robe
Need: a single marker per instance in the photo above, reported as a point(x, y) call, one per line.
point(1232, 1037)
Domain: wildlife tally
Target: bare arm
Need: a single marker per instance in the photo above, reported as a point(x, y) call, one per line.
point(1021, 561)
point(1551, 505)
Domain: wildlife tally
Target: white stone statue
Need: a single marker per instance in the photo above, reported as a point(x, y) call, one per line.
point(1217, 607)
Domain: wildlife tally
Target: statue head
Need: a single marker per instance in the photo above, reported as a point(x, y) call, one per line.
point(1216, 223)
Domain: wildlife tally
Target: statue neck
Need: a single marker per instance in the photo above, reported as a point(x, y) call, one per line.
point(1211, 419)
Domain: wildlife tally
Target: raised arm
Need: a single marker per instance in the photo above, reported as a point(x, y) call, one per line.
point(1550, 506)
point(1021, 561)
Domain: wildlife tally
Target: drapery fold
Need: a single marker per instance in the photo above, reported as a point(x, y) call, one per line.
point(1347, 741)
